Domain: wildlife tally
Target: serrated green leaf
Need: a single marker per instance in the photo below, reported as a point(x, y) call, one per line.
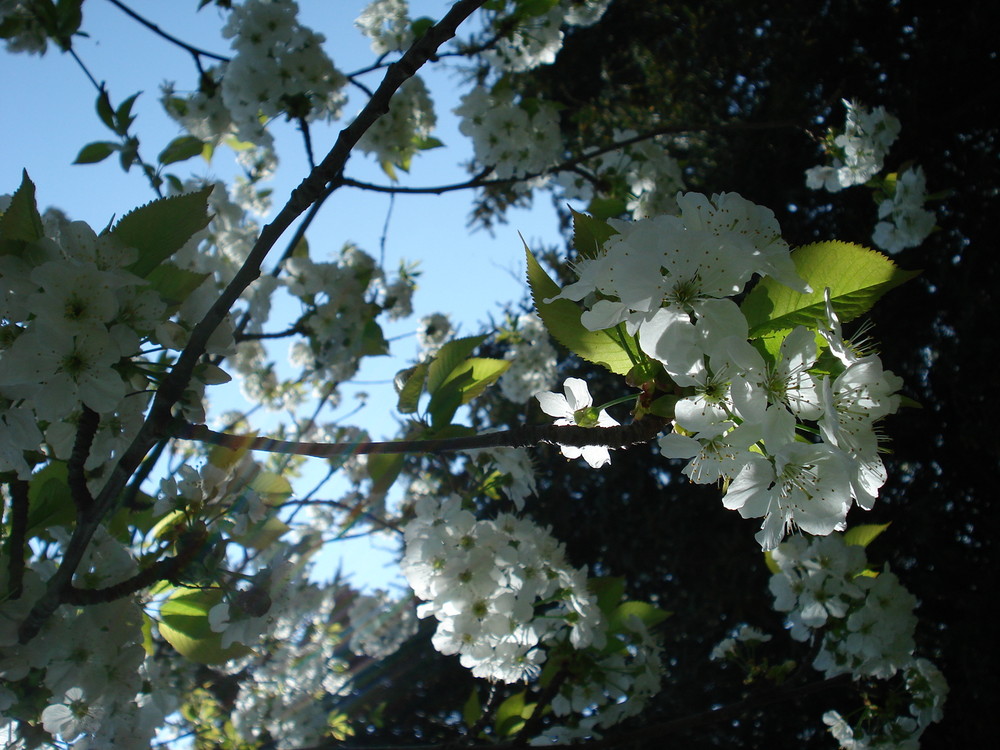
point(21, 223)
point(95, 152)
point(562, 319)
point(448, 358)
point(856, 276)
point(409, 394)
point(173, 284)
point(865, 534)
point(590, 234)
point(184, 625)
point(160, 228)
point(181, 148)
point(606, 208)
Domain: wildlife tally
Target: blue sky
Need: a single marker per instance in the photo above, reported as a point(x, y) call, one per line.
point(48, 114)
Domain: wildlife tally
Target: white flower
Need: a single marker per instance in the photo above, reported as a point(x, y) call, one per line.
point(572, 408)
point(807, 486)
point(72, 716)
point(387, 24)
point(905, 222)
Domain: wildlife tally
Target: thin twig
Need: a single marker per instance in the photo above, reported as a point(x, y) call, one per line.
point(196, 52)
point(568, 165)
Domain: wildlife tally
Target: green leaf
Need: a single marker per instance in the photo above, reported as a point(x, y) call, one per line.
point(174, 284)
point(49, 500)
point(426, 143)
point(373, 343)
point(606, 208)
point(865, 534)
point(420, 26)
point(21, 223)
point(466, 381)
point(105, 110)
point(273, 488)
point(160, 228)
point(184, 625)
point(650, 615)
point(123, 115)
point(472, 709)
point(770, 563)
point(512, 713)
point(383, 468)
point(448, 358)
point(413, 386)
point(262, 535)
point(446, 400)
point(609, 591)
point(562, 319)
point(181, 148)
point(856, 276)
point(590, 234)
point(95, 152)
point(484, 372)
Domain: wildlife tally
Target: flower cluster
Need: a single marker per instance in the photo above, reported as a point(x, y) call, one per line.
point(510, 136)
point(340, 301)
point(644, 172)
point(88, 666)
point(379, 624)
point(609, 689)
point(74, 323)
point(279, 67)
point(387, 24)
point(500, 589)
point(533, 360)
point(858, 152)
point(670, 281)
point(866, 623)
point(21, 29)
point(397, 136)
point(537, 40)
point(903, 220)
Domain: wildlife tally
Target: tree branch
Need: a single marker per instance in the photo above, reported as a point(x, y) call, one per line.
point(326, 174)
point(565, 166)
point(170, 38)
point(640, 431)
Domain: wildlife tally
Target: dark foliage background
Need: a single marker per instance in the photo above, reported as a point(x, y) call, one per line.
point(757, 84)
